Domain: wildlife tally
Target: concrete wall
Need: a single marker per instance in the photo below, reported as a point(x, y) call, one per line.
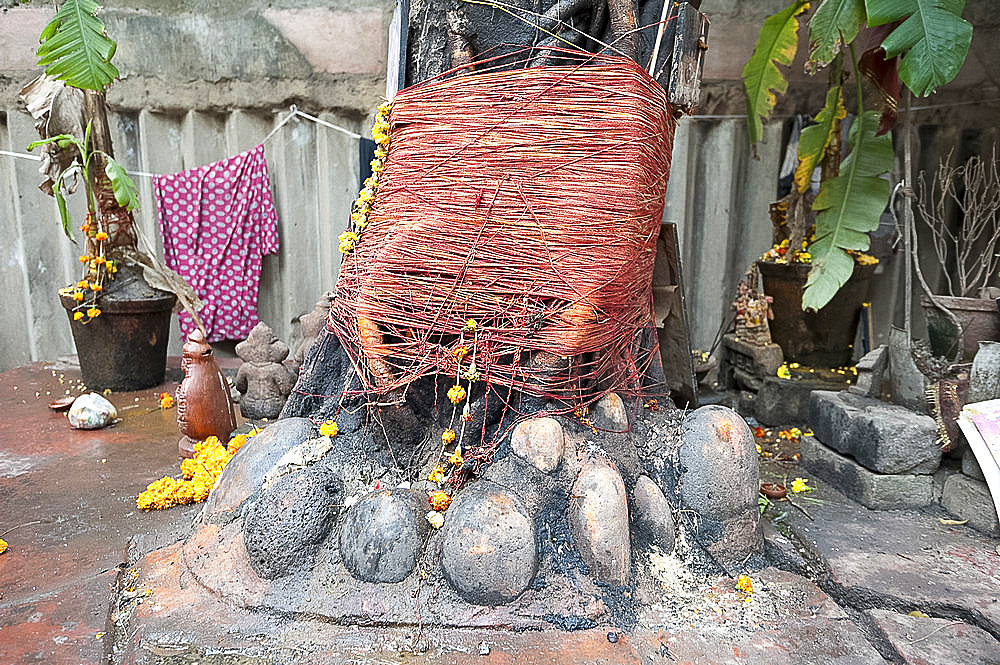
point(204, 80)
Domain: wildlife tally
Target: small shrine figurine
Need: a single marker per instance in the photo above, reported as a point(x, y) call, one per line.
point(204, 404)
point(753, 310)
point(263, 380)
point(311, 325)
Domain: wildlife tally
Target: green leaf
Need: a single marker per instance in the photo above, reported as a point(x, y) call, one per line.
point(835, 22)
point(933, 39)
point(848, 207)
point(815, 138)
point(75, 48)
point(125, 190)
point(64, 216)
point(776, 45)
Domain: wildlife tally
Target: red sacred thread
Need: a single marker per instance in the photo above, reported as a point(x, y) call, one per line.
point(528, 201)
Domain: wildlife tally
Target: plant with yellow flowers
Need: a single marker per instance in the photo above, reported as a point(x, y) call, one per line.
point(366, 198)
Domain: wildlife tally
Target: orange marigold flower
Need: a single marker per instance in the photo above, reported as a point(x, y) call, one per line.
point(166, 401)
point(101, 237)
point(329, 428)
point(78, 296)
point(99, 260)
point(461, 352)
point(77, 316)
point(456, 394)
point(456, 458)
point(84, 258)
point(437, 475)
point(82, 284)
point(94, 286)
point(85, 227)
point(759, 432)
point(439, 500)
point(93, 312)
point(448, 436)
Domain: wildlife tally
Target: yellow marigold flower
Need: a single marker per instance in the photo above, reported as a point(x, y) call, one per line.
point(470, 325)
point(439, 500)
point(84, 258)
point(461, 352)
point(82, 284)
point(77, 316)
point(85, 227)
point(437, 475)
point(101, 237)
point(377, 166)
point(328, 428)
point(472, 374)
point(3, 545)
point(367, 195)
point(381, 152)
point(744, 585)
point(166, 401)
point(456, 458)
point(799, 485)
point(783, 372)
point(236, 443)
point(385, 107)
point(93, 312)
point(448, 436)
point(456, 394)
point(78, 296)
point(357, 218)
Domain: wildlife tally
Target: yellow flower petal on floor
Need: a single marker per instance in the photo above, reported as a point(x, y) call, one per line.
point(799, 485)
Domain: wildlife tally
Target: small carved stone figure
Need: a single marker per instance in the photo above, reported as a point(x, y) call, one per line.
point(753, 310)
point(262, 379)
point(312, 323)
point(204, 405)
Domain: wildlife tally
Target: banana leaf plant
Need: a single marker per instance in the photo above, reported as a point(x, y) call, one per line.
point(76, 53)
point(919, 44)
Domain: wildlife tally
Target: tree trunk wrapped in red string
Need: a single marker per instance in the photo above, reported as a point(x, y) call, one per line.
point(511, 235)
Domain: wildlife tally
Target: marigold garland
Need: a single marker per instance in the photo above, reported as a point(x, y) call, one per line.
point(199, 475)
point(366, 198)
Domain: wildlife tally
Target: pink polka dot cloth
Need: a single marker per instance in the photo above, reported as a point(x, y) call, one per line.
point(217, 222)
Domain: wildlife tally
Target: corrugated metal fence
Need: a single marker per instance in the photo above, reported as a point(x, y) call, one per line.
point(718, 196)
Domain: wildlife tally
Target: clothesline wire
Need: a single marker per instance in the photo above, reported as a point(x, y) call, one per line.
point(294, 112)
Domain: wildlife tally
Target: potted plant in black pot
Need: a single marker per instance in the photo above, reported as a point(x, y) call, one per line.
point(912, 46)
point(960, 207)
point(120, 321)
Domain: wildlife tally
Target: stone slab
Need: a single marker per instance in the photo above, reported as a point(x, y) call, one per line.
point(901, 559)
point(970, 499)
point(786, 401)
point(872, 490)
point(885, 438)
point(933, 641)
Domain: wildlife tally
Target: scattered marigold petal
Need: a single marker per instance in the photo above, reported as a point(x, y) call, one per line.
point(328, 428)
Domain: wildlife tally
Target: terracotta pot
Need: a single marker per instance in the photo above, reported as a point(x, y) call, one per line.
point(125, 348)
point(817, 339)
point(978, 317)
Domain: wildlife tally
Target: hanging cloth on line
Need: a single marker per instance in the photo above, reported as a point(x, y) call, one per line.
point(217, 222)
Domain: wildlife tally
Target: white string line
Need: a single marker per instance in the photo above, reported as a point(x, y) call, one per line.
point(293, 112)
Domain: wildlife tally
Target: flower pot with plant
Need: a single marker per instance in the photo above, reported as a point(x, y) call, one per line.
point(918, 45)
point(960, 207)
point(120, 308)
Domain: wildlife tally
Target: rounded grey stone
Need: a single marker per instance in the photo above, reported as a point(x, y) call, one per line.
point(720, 482)
point(489, 553)
point(599, 521)
point(540, 441)
point(283, 527)
point(653, 513)
point(719, 466)
point(244, 474)
point(383, 535)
